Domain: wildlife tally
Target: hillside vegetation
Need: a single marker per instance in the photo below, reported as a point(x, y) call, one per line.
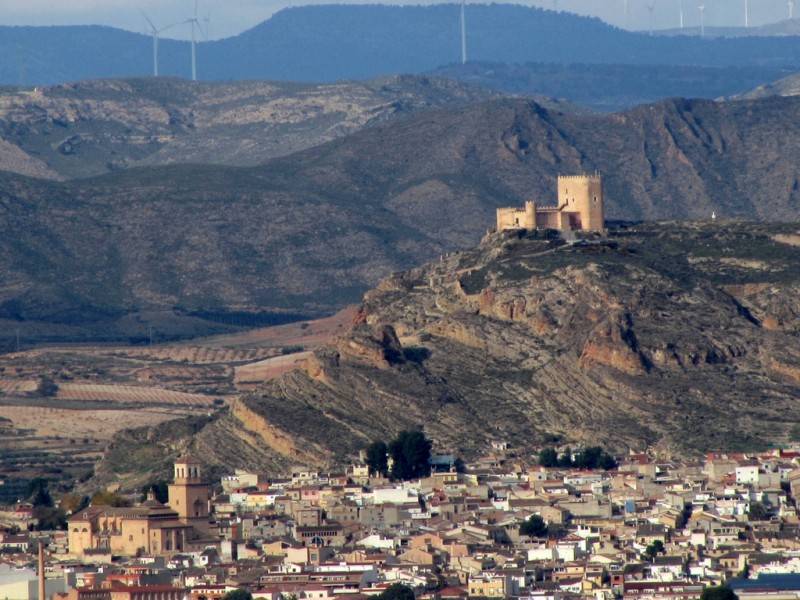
point(310, 232)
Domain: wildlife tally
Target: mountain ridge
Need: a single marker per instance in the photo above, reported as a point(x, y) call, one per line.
point(308, 233)
point(357, 42)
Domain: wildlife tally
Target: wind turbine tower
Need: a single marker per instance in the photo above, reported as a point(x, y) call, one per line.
point(680, 13)
point(155, 32)
point(626, 9)
point(702, 9)
point(463, 32)
point(791, 9)
point(193, 22)
point(651, 6)
point(747, 13)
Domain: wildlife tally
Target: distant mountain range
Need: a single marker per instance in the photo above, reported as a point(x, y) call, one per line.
point(788, 27)
point(334, 42)
point(613, 87)
point(309, 232)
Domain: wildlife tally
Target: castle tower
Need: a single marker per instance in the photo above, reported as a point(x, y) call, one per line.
point(188, 495)
point(583, 196)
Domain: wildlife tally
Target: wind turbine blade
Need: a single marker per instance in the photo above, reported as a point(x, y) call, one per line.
point(149, 22)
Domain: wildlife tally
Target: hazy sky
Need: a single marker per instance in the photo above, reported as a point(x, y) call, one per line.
point(228, 17)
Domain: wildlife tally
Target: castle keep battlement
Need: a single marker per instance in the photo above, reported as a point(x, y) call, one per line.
point(580, 207)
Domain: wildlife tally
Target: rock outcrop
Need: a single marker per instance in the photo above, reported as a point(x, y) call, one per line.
point(627, 341)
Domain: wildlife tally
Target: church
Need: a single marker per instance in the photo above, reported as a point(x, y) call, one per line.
point(151, 528)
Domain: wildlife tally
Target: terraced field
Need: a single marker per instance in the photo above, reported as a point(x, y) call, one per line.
point(92, 392)
point(105, 389)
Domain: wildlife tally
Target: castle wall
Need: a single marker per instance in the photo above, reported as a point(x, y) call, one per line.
point(517, 218)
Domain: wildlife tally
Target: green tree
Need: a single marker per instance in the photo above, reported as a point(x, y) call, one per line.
point(758, 512)
point(565, 460)
point(238, 594)
point(411, 455)
point(654, 549)
point(39, 493)
point(47, 387)
point(378, 458)
point(608, 462)
point(397, 591)
point(720, 592)
point(49, 518)
point(548, 457)
point(534, 527)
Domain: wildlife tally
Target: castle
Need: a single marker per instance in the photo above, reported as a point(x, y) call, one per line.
point(580, 207)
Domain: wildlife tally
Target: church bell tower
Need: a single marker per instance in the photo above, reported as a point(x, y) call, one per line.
point(188, 495)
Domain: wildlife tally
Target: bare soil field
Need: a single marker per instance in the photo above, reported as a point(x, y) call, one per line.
point(92, 392)
point(105, 388)
point(74, 424)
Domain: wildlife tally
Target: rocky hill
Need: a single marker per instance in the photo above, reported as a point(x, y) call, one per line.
point(93, 127)
point(310, 232)
point(682, 336)
point(786, 86)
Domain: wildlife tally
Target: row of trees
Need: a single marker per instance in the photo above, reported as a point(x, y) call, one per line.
point(410, 452)
point(589, 458)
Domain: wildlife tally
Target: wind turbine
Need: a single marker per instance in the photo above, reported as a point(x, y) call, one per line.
point(680, 12)
point(747, 13)
point(626, 9)
point(155, 32)
point(651, 6)
point(194, 22)
point(702, 9)
point(463, 33)
point(791, 9)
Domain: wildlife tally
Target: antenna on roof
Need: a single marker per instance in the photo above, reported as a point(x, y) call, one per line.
point(463, 32)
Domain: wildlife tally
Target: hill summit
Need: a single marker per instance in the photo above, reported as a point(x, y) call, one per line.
point(680, 336)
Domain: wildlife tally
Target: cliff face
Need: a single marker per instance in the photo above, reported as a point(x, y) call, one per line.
point(680, 336)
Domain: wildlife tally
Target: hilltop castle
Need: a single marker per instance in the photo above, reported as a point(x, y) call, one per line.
point(580, 207)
